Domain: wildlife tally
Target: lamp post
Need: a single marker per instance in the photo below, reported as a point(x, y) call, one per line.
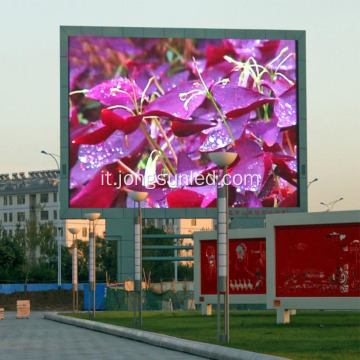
point(92, 266)
point(312, 181)
point(331, 204)
point(74, 232)
point(59, 227)
point(222, 160)
point(137, 197)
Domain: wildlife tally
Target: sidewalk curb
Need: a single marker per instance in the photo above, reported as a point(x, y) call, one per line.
point(210, 351)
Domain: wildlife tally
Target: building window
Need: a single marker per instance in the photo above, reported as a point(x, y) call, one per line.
point(10, 200)
point(21, 216)
point(5, 233)
point(5, 217)
point(10, 232)
point(84, 232)
point(10, 217)
point(55, 197)
point(193, 222)
point(21, 199)
point(44, 215)
point(5, 200)
point(44, 198)
point(55, 214)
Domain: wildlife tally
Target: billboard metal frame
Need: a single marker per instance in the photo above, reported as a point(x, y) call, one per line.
point(117, 213)
point(212, 299)
point(284, 304)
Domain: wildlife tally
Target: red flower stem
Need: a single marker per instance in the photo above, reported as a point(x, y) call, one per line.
point(166, 138)
point(211, 98)
point(276, 178)
point(130, 171)
point(155, 146)
point(144, 93)
point(289, 143)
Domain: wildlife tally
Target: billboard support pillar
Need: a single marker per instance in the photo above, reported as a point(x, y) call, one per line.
point(282, 316)
point(223, 259)
point(92, 258)
point(137, 197)
point(206, 309)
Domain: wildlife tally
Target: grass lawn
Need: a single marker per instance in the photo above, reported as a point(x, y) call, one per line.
point(330, 335)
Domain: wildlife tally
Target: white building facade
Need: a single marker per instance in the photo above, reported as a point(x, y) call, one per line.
point(23, 197)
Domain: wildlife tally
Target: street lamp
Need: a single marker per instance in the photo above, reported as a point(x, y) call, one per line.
point(92, 266)
point(222, 160)
point(74, 232)
point(137, 197)
point(331, 204)
point(53, 156)
point(59, 227)
point(312, 181)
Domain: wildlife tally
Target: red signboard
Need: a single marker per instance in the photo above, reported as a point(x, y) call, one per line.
point(318, 260)
point(247, 266)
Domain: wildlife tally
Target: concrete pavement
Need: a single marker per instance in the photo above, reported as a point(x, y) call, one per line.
point(40, 339)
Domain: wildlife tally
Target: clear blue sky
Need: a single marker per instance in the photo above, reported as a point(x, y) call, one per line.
point(29, 74)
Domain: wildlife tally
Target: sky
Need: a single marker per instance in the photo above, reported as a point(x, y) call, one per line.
point(29, 74)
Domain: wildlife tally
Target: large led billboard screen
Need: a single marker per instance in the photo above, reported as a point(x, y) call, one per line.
point(145, 112)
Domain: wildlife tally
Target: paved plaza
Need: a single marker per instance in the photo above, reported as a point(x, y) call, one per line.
point(37, 338)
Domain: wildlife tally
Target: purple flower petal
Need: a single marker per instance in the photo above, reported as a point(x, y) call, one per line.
point(266, 130)
point(246, 48)
point(248, 172)
point(218, 72)
point(252, 201)
point(75, 73)
point(285, 108)
point(185, 163)
point(124, 45)
point(278, 86)
point(236, 100)
point(180, 102)
point(169, 83)
point(93, 157)
point(290, 63)
point(104, 93)
point(94, 193)
point(218, 137)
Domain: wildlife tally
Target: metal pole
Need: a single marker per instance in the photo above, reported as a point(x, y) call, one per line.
point(175, 262)
point(137, 273)
point(59, 221)
point(74, 273)
point(227, 327)
point(91, 265)
point(222, 264)
point(59, 253)
point(94, 269)
point(140, 293)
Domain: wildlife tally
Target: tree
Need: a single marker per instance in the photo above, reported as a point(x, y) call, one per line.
point(40, 251)
point(12, 258)
point(186, 272)
point(106, 260)
point(29, 255)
